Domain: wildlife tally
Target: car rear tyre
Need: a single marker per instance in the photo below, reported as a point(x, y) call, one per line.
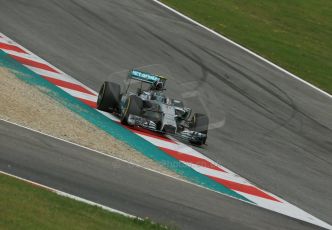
point(200, 123)
point(133, 106)
point(109, 97)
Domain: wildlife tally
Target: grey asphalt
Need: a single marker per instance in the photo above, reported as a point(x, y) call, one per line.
point(276, 130)
point(127, 188)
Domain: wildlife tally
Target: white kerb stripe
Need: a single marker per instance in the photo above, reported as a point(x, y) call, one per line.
point(62, 77)
point(23, 55)
point(287, 209)
point(218, 174)
point(79, 94)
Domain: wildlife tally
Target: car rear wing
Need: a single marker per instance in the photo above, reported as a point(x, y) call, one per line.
point(145, 77)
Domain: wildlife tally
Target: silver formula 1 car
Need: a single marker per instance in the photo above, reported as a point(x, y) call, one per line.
point(148, 107)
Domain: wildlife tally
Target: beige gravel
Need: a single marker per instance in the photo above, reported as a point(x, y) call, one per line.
point(29, 106)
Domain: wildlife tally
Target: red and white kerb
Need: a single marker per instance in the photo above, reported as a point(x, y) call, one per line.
point(169, 145)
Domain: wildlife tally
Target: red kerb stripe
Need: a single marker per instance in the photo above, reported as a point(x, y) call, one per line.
point(11, 47)
point(151, 134)
point(191, 159)
point(33, 63)
point(68, 85)
point(249, 189)
point(87, 102)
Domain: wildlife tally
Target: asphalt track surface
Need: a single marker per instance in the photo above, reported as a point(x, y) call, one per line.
point(276, 130)
point(125, 187)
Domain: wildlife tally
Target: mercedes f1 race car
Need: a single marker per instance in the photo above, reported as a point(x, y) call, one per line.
point(148, 107)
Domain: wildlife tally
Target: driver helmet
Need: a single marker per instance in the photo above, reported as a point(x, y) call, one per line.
point(158, 86)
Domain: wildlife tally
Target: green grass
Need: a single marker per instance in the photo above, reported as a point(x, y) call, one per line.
point(24, 206)
point(295, 34)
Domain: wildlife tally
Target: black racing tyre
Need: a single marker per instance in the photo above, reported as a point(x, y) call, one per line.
point(200, 123)
point(109, 97)
point(133, 106)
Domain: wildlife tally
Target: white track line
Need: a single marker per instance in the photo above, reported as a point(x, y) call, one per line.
point(241, 47)
point(64, 194)
point(259, 201)
point(286, 211)
point(119, 159)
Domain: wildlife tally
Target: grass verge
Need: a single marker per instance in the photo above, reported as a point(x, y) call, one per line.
point(293, 34)
point(25, 206)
